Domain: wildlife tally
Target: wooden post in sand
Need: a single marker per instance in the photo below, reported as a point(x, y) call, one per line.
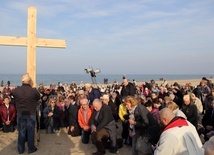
point(31, 42)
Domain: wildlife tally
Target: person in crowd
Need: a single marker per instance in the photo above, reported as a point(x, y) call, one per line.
point(60, 88)
point(209, 147)
point(6, 90)
point(45, 95)
point(155, 111)
point(26, 99)
point(208, 100)
point(84, 116)
point(52, 90)
point(93, 93)
point(61, 106)
point(8, 83)
point(74, 128)
point(41, 88)
point(167, 99)
point(204, 90)
point(106, 100)
point(52, 115)
point(141, 99)
point(156, 104)
point(175, 109)
point(124, 116)
point(81, 95)
point(138, 90)
point(43, 104)
point(73, 86)
point(116, 101)
point(162, 92)
point(142, 124)
point(176, 90)
point(208, 81)
point(154, 95)
point(66, 107)
point(127, 89)
point(197, 102)
point(164, 83)
point(7, 114)
point(1, 103)
point(1, 98)
point(103, 127)
point(188, 88)
point(190, 110)
point(178, 137)
point(175, 98)
point(208, 122)
point(146, 92)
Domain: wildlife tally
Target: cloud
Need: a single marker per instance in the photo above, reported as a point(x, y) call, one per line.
point(150, 33)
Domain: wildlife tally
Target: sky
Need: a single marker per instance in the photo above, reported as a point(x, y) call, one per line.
point(116, 36)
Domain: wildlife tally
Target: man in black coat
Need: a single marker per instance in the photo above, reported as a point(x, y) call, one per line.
point(128, 89)
point(72, 117)
point(113, 107)
point(102, 126)
point(26, 100)
point(208, 122)
point(190, 110)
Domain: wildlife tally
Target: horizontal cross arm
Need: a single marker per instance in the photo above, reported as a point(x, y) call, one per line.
point(42, 42)
point(13, 41)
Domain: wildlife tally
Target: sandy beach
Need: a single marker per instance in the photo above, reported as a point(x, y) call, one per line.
point(63, 144)
point(55, 144)
point(194, 82)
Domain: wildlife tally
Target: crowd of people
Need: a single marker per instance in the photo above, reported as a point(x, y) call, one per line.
point(152, 116)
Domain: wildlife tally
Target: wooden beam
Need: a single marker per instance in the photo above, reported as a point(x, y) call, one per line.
point(13, 41)
point(31, 44)
point(42, 42)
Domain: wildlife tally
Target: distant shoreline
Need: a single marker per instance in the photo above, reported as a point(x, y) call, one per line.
point(48, 79)
point(194, 82)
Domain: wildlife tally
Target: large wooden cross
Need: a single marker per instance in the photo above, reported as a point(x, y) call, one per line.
point(31, 42)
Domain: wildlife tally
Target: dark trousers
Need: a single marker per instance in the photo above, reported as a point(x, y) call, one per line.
point(97, 139)
point(85, 136)
point(49, 129)
point(8, 128)
point(125, 131)
point(26, 130)
point(1, 123)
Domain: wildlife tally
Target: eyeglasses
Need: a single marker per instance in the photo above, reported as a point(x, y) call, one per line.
point(53, 102)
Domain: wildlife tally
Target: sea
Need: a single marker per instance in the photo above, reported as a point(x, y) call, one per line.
point(47, 79)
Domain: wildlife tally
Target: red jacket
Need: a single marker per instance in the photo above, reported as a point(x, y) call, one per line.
point(81, 120)
point(1, 101)
point(4, 113)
